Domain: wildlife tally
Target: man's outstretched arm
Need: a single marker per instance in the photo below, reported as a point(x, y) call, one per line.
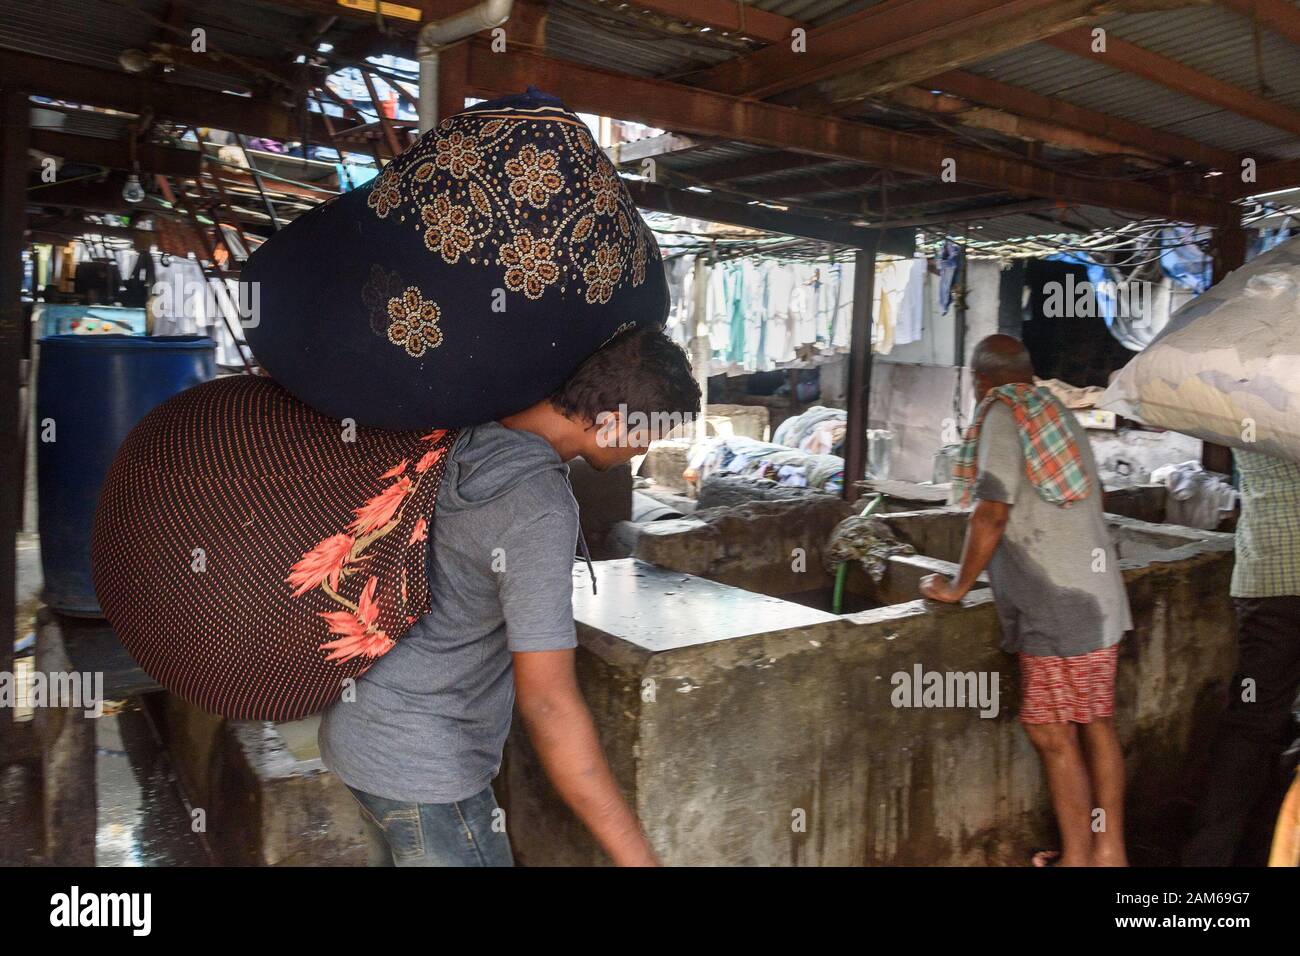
point(564, 736)
point(983, 532)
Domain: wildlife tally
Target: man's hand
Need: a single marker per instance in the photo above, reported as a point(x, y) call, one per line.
point(564, 736)
point(983, 533)
point(936, 587)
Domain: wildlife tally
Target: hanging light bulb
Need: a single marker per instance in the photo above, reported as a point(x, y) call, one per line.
point(133, 191)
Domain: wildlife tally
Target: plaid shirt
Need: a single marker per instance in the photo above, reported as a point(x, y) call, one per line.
point(1052, 460)
point(1268, 532)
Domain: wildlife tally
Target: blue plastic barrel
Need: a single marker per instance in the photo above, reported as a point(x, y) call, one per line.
point(90, 392)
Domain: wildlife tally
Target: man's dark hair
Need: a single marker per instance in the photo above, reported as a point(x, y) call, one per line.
point(642, 369)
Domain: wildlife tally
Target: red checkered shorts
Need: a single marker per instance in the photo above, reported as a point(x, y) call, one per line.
point(1058, 690)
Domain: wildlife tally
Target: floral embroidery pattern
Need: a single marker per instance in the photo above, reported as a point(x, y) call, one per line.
point(534, 175)
point(604, 191)
point(355, 626)
point(530, 195)
point(638, 261)
point(531, 265)
point(458, 154)
point(602, 274)
point(448, 231)
point(414, 324)
point(386, 196)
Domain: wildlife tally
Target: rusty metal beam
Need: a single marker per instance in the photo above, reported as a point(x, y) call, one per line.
point(1276, 15)
point(116, 154)
point(970, 46)
point(696, 205)
point(969, 215)
point(751, 74)
point(883, 32)
point(726, 16)
point(137, 94)
point(1269, 178)
point(703, 112)
point(1171, 74)
point(966, 113)
point(1053, 109)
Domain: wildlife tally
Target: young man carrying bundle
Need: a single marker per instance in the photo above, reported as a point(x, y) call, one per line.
point(1038, 528)
point(423, 739)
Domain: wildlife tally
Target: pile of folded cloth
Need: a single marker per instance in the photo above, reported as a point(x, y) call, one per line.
point(1197, 498)
point(767, 461)
point(820, 430)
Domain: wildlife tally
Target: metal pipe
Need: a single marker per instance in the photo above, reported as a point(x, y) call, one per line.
point(440, 33)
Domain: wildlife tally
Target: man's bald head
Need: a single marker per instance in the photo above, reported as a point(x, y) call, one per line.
point(1001, 360)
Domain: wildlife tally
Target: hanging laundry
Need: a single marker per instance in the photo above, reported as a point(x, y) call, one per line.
point(950, 260)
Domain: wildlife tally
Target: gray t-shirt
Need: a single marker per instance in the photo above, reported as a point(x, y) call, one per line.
point(431, 716)
point(1055, 574)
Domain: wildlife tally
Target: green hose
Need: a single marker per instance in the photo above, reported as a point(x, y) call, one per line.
point(842, 570)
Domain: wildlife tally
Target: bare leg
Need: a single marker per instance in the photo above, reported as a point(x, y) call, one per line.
point(1106, 767)
point(1067, 780)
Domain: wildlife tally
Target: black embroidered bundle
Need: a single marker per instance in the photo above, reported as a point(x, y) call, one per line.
point(465, 282)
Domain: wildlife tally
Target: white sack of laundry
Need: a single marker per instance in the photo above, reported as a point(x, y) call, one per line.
point(1226, 368)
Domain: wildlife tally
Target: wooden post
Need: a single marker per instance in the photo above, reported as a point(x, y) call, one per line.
point(1229, 252)
point(14, 122)
point(859, 390)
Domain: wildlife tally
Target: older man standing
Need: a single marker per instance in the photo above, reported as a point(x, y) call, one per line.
point(1038, 528)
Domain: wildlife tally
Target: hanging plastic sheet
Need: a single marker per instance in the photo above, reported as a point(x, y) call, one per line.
point(1129, 322)
point(1183, 260)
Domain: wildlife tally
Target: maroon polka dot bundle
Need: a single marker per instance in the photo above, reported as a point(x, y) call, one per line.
point(254, 556)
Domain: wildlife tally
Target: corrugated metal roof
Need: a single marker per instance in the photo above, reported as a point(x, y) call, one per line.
point(1052, 72)
point(1219, 43)
point(1211, 39)
point(597, 35)
point(814, 12)
point(93, 33)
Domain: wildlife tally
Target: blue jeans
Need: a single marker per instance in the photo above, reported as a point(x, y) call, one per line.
point(437, 834)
